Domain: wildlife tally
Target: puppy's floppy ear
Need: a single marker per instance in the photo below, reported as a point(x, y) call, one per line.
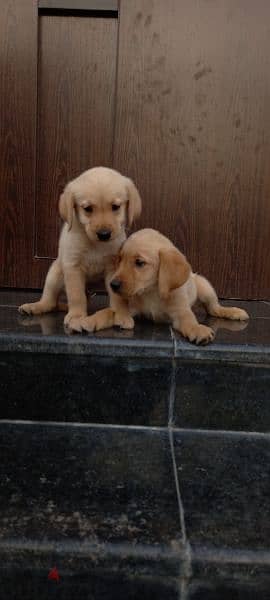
point(66, 206)
point(174, 271)
point(134, 202)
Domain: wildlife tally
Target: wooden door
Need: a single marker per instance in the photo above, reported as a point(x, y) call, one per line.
point(193, 129)
point(76, 94)
point(18, 77)
point(175, 94)
point(58, 116)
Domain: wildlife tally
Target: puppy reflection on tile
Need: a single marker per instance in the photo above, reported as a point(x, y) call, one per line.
point(217, 324)
point(154, 279)
point(50, 326)
point(47, 323)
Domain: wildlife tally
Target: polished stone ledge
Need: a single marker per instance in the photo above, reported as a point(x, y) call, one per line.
point(234, 342)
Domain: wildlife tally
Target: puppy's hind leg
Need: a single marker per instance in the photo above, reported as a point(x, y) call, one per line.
point(208, 297)
point(186, 323)
point(52, 288)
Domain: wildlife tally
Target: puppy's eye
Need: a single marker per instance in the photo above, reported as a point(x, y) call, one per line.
point(88, 209)
point(139, 262)
point(115, 207)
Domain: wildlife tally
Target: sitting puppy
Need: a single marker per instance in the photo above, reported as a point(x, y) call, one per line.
point(96, 207)
point(155, 280)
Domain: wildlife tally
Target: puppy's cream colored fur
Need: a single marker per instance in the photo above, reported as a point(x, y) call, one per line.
point(155, 280)
point(99, 200)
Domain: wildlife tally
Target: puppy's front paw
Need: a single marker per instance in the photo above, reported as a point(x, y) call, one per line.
point(200, 334)
point(73, 322)
point(33, 308)
point(124, 321)
point(103, 319)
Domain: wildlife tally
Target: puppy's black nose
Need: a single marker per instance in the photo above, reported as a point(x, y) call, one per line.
point(104, 235)
point(115, 285)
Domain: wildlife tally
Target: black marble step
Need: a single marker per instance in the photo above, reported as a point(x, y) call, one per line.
point(16, 585)
point(130, 391)
point(29, 585)
point(171, 511)
point(89, 498)
point(133, 462)
point(235, 341)
point(147, 377)
point(224, 479)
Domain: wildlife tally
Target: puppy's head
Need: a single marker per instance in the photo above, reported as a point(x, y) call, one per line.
point(103, 201)
point(148, 259)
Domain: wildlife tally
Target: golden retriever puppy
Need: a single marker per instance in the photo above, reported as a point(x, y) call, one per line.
point(155, 280)
point(96, 206)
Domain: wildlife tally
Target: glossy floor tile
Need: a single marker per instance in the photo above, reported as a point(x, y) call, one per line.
point(32, 585)
point(229, 589)
point(124, 377)
point(11, 297)
point(17, 585)
point(244, 341)
point(235, 333)
point(224, 482)
point(84, 389)
point(100, 502)
point(226, 397)
point(256, 309)
point(88, 497)
point(46, 333)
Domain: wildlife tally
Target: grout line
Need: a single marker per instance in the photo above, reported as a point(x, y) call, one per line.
point(223, 432)
point(173, 338)
point(36, 295)
point(172, 394)
point(74, 425)
point(170, 426)
point(180, 503)
point(181, 509)
point(184, 589)
point(184, 430)
point(183, 586)
point(9, 306)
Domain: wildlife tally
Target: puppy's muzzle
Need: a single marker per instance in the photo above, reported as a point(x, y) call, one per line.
point(104, 235)
point(116, 285)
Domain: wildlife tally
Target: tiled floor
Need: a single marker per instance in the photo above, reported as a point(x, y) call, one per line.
point(230, 336)
point(209, 396)
point(91, 488)
point(68, 374)
point(17, 586)
point(135, 453)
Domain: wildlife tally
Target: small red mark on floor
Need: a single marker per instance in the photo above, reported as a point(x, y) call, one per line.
point(54, 575)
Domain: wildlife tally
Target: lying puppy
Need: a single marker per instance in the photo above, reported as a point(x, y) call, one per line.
point(96, 207)
point(155, 280)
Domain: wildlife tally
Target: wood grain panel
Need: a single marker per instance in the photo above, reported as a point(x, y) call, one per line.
point(77, 70)
point(193, 129)
point(18, 50)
